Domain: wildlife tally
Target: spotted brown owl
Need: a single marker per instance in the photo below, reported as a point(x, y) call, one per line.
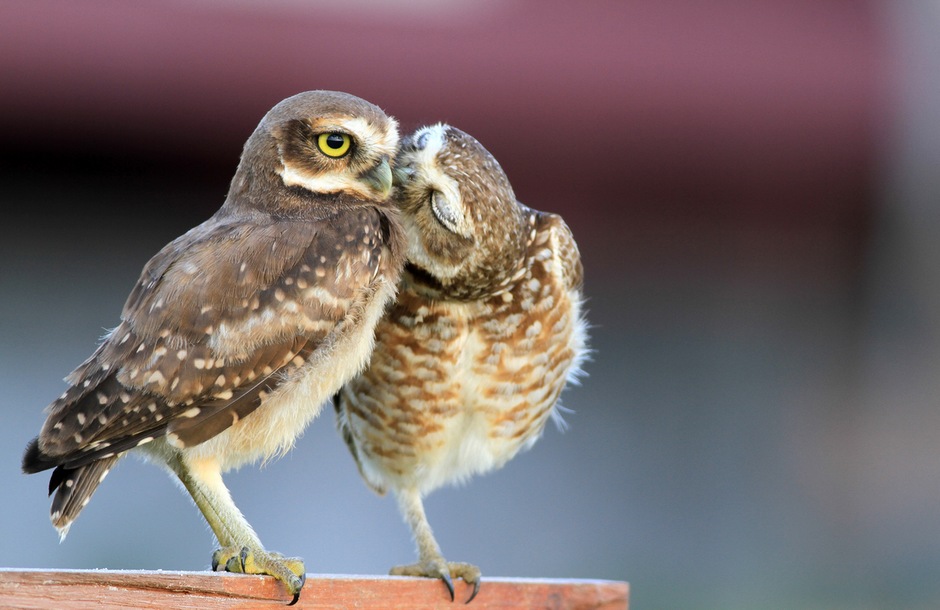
point(486, 332)
point(239, 330)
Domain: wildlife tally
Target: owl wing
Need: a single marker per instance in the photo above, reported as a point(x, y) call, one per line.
point(219, 318)
point(345, 431)
point(565, 250)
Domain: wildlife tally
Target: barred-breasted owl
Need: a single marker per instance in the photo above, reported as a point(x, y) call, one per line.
point(239, 330)
point(486, 331)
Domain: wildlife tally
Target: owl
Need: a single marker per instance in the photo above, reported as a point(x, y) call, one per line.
point(238, 331)
point(486, 331)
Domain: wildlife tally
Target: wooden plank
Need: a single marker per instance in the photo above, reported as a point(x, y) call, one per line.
point(97, 589)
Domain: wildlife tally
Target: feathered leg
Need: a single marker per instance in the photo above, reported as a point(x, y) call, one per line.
point(241, 550)
point(430, 561)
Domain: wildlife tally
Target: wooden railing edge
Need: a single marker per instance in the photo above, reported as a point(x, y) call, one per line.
point(29, 589)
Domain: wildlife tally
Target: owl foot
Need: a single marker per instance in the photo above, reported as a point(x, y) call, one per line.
point(444, 570)
point(243, 560)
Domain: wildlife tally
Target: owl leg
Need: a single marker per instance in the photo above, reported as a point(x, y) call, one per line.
point(431, 563)
point(241, 550)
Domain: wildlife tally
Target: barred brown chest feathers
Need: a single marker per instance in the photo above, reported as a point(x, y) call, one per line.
point(455, 388)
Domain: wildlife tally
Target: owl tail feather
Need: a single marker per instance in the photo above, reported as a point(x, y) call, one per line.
point(73, 489)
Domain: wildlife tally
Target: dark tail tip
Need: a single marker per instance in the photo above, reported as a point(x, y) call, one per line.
point(34, 460)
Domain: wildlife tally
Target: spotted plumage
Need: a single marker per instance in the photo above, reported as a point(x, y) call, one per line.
point(238, 331)
point(486, 331)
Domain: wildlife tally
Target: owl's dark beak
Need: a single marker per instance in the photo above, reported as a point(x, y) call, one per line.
point(380, 178)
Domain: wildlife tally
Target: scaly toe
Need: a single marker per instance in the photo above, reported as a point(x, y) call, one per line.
point(244, 560)
point(229, 559)
point(446, 572)
point(427, 569)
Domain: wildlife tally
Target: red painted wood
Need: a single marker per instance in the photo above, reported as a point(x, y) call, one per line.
point(97, 589)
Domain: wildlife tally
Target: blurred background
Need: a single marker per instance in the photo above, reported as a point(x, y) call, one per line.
point(754, 186)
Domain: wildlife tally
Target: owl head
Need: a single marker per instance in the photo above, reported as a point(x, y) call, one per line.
point(466, 231)
point(328, 144)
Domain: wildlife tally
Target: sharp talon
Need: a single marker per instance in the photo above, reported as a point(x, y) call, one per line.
point(300, 585)
point(215, 561)
point(243, 557)
point(232, 566)
point(476, 589)
point(450, 585)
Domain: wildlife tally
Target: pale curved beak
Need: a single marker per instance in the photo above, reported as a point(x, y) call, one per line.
point(380, 177)
point(402, 175)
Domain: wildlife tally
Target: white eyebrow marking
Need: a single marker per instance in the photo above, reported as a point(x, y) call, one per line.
point(327, 183)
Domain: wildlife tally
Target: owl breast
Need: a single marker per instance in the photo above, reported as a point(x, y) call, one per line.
point(455, 388)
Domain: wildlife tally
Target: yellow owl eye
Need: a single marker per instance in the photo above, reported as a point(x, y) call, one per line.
point(334, 144)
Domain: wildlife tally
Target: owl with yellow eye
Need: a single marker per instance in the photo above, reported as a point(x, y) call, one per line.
point(486, 331)
point(238, 331)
